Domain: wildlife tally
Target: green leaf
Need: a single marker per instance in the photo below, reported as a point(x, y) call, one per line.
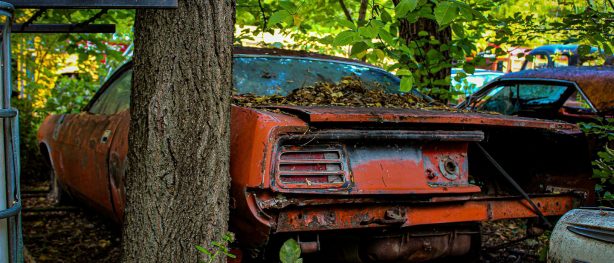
point(344, 38)
point(445, 12)
point(358, 47)
point(584, 50)
point(385, 16)
point(289, 6)
point(203, 250)
point(279, 17)
point(380, 54)
point(405, 6)
point(290, 252)
point(468, 68)
point(386, 36)
point(346, 23)
point(407, 82)
point(368, 32)
point(458, 30)
point(403, 72)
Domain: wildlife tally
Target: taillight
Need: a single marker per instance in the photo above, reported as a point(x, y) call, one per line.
point(321, 166)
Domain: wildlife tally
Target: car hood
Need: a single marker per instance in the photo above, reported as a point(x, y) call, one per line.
point(334, 114)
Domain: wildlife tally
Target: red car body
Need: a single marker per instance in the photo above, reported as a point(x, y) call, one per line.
point(355, 184)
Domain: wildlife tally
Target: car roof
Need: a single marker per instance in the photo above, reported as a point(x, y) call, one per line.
point(551, 49)
point(239, 50)
point(597, 83)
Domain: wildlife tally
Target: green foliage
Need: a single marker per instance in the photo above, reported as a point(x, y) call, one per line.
point(70, 95)
point(603, 166)
point(29, 120)
point(477, 26)
point(218, 248)
point(290, 252)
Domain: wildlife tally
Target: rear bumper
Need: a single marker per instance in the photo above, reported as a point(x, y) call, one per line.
point(340, 216)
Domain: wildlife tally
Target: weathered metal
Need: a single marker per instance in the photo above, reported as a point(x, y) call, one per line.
point(323, 171)
point(93, 4)
point(583, 235)
point(11, 243)
point(63, 28)
point(321, 115)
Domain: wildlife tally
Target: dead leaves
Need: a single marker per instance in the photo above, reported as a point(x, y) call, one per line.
point(350, 91)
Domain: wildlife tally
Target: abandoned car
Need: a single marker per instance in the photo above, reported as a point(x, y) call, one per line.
point(572, 94)
point(351, 184)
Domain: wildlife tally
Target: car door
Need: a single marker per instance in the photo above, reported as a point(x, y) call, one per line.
point(96, 129)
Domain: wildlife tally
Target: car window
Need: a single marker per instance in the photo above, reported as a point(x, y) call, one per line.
point(116, 97)
point(577, 102)
point(538, 61)
point(511, 99)
point(560, 60)
point(281, 75)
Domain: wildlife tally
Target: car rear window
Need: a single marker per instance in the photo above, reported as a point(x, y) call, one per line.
point(281, 75)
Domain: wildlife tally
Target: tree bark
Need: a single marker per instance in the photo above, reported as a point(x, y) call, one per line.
point(362, 11)
point(409, 31)
point(178, 179)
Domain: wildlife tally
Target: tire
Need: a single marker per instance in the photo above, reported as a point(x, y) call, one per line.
point(57, 194)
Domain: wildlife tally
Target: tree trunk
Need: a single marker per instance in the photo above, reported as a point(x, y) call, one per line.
point(409, 32)
point(178, 179)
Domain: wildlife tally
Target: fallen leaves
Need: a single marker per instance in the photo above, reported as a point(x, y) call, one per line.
point(349, 91)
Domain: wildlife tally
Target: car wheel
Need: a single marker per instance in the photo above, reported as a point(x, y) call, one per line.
point(56, 193)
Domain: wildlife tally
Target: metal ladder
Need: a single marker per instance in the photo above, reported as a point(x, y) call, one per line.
point(11, 242)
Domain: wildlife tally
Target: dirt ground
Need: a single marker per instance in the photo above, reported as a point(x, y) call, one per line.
point(66, 233)
point(74, 234)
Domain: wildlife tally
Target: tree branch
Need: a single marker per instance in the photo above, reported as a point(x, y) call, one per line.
point(362, 12)
point(264, 18)
point(347, 13)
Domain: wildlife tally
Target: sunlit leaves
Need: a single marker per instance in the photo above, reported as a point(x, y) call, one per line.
point(279, 17)
point(407, 83)
point(445, 12)
point(405, 6)
point(345, 38)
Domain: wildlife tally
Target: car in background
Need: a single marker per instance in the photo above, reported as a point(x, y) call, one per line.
point(571, 94)
point(556, 56)
point(351, 184)
point(472, 82)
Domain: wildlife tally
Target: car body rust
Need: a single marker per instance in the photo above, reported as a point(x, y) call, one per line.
point(320, 174)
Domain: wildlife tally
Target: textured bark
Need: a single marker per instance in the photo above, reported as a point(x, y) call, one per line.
point(409, 31)
point(177, 181)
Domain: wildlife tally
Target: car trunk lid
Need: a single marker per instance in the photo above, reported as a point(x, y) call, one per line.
point(334, 114)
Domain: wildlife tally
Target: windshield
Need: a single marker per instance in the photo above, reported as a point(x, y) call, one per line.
point(266, 76)
point(518, 98)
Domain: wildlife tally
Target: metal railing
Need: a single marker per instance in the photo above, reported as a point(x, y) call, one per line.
point(11, 242)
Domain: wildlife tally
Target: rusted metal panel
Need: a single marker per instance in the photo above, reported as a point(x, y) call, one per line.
point(596, 82)
point(329, 218)
point(320, 114)
point(376, 163)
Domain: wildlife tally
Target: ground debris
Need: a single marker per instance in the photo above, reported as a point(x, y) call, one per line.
point(54, 234)
point(350, 91)
point(498, 233)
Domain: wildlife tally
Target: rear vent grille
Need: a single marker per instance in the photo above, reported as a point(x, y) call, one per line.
point(320, 166)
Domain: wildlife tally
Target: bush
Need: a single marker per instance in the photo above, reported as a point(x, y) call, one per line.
point(603, 165)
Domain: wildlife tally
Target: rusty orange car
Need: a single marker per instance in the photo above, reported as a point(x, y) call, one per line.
point(349, 184)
